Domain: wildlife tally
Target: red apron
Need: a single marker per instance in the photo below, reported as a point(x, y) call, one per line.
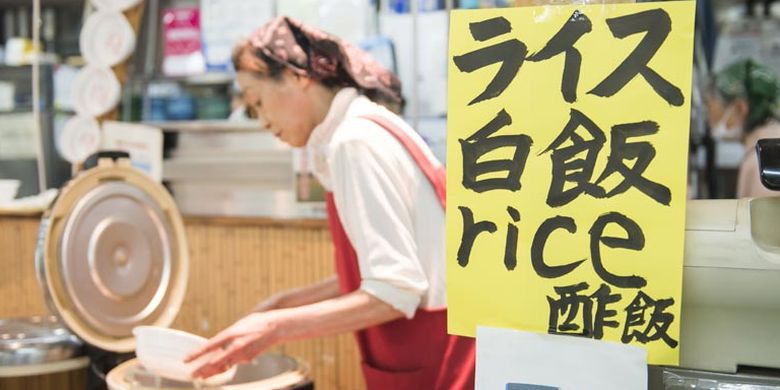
point(405, 354)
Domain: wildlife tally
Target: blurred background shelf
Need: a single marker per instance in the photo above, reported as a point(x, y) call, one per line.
point(44, 3)
point(213, 78)
point(207, 126)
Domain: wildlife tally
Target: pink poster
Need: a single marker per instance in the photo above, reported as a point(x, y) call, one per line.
point(182, 54)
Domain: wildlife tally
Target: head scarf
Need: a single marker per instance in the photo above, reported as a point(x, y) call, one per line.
point(323, 57)
point(755, 83)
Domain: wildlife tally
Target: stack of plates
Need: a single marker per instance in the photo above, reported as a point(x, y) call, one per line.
point(107, 39)
point(80, 138)
point(96, 91)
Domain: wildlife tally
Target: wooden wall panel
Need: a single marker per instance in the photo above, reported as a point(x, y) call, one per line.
point(71, 380)
point(20, 293)
point(234, 263)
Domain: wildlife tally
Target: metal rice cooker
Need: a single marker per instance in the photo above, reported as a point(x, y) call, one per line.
point(39, 350)
point(35, 340)
point(112, 255)
point(267, 372)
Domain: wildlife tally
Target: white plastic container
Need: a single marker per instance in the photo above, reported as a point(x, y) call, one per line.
point(8, 189)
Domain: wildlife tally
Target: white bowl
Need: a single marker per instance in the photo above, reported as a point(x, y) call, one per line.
point(95, 91)
point(106, 39)
point(162, 351)
point(80, 137)
point(8, 189)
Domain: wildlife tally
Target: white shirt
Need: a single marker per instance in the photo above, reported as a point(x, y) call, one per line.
point(387, 206)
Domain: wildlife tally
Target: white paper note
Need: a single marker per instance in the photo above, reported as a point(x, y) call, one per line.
point(431, 77)
point(516, 360)
point(225, 22)
point(17, 136)
point(144, 143)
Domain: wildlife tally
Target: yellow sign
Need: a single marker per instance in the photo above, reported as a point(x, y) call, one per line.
point(567, 155)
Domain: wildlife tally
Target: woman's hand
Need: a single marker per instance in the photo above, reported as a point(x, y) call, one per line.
point(255, 333)
point(239, 343)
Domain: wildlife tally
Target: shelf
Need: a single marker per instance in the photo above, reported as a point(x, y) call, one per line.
point(17, 110)
point(6, 66)
point(210, 79)
point(44, 3)
point(208, 126)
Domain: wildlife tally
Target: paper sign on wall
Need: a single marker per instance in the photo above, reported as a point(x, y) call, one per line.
point(143, 143)
point(567, 154)
point(182, 54)
point(227, 22)
point(516, 360)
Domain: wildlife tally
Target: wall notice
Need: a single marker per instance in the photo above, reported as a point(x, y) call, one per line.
point(567, 155)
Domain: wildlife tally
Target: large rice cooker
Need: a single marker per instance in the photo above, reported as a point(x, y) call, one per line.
point(112, 255)
point(40, 353)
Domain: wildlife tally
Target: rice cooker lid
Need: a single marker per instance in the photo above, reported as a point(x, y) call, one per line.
point(112, 255)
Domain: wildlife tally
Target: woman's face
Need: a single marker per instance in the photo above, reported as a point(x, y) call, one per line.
point(282, 105)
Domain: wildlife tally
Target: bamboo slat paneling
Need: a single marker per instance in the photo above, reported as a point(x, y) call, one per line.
point(76, 380)
point(234, 263)
point(20, 293)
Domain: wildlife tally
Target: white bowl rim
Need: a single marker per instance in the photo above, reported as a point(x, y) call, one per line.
point(142, 328)
point(216, 380)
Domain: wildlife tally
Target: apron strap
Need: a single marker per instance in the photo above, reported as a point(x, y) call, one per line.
point(437, 176)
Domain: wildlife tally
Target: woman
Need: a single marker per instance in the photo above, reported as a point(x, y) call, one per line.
point(385, 206)
point(744, 107)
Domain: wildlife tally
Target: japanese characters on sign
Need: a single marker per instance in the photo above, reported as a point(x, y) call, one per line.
point(567, 156)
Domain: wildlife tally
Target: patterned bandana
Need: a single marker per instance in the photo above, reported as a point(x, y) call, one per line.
point(321, 56)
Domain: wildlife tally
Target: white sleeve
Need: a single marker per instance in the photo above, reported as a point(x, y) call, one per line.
point(378, 222)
